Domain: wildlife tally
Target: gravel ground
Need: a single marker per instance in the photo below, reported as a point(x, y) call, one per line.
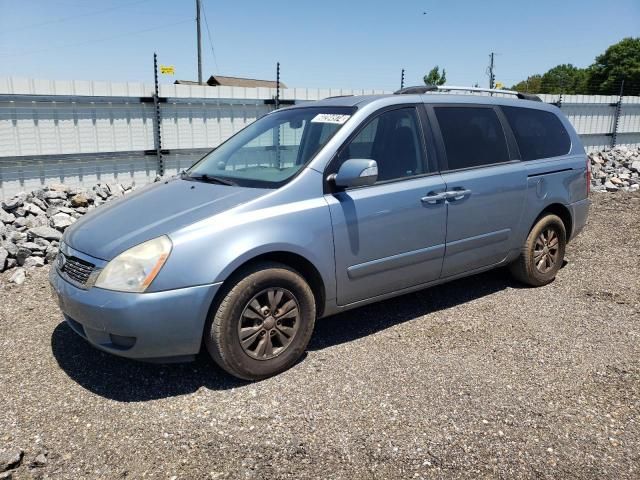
point(477, 378)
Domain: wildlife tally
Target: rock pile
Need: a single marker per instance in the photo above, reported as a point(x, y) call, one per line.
point(32, 224)
point(615, 170)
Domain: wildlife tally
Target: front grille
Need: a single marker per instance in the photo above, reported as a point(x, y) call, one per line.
point(76, 269)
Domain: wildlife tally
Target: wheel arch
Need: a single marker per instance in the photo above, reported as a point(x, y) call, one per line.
point(561, 211)
point(299, 263)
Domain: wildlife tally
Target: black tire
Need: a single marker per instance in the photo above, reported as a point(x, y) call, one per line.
point(535, 268)
point(262, 283)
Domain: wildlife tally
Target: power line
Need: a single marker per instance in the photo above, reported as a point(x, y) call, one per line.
point(99, 40)
point(213, 52)
point(71, 17)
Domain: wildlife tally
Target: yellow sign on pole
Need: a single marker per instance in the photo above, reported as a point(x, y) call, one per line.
point(167, 69)
point(499, 85)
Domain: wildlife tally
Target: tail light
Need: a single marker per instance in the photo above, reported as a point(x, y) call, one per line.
point(587, 175)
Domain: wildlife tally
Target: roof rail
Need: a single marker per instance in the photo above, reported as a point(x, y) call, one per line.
point(522, 96)
point(417, 89)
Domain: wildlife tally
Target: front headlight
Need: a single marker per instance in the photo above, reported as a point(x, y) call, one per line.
point(135, 269)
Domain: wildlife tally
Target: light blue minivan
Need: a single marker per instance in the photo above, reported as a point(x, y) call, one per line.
point(319, 208)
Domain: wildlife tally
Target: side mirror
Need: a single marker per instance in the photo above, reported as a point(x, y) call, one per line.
point(356, 172)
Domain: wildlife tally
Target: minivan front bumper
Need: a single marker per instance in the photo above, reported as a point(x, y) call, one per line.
point(152, 326)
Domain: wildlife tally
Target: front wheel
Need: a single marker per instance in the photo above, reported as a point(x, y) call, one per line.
point(543, 252)
point(263, 323)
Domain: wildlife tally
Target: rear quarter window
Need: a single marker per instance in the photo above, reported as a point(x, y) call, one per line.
point(539, 134)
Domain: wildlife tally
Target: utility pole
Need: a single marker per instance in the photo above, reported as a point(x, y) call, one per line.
point(492, 77)
point(402, 80)
point(199, 42)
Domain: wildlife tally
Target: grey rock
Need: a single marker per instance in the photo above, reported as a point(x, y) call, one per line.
point(51, 253)
point(39, 461)
point(37, 221)
point(635, 166)
point(33, 209)
point(15, 202)
point(11, 248)
point(11, 262)
point(17, 237)
point(10, 459)
point(37, 202)
point(18, 276)
point(23, 254)
point(20, 222)
point(3, 258)
point(6, 217)
point(47, 233)
point(55, 194)
point(57, 187)
point(61, 221)
point(610, 186)
point(42, 242)
point(33, 246)
point(101, 192)
point(34, 262)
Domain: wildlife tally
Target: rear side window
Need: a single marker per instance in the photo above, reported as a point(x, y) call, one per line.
point(473, 136)
point(539, 134)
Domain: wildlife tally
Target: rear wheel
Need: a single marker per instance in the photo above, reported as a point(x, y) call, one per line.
point(263, 323)
point(543, 252)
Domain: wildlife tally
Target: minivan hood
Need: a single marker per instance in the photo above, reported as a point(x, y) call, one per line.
point(155, 210)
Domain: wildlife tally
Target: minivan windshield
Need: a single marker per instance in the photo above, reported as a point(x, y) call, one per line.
point(270, 151)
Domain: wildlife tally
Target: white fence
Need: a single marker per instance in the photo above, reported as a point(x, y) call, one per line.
point(81, 132)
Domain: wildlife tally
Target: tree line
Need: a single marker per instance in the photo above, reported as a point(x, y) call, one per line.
point(619, 62)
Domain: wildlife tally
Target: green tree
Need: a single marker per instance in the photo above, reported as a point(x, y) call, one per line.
point(564, 78)
point(434, 77)
point(530, 85)
point(619, 61)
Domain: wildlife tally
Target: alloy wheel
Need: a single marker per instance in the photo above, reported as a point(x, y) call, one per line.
point(546, 250)
point(268, 324)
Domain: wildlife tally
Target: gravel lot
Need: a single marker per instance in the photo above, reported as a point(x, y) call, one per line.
point(477, 378)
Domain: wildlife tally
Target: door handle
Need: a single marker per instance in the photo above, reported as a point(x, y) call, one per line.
point(457, 194)
point(433, 198)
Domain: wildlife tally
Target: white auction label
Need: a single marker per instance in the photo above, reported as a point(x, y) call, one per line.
point(330, 118)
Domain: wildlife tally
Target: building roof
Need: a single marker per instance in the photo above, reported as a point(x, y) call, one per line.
point(220, 80)
point(215, 80)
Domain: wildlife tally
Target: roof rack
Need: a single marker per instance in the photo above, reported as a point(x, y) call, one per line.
point(446, 88)
point(522, 96)
point(418, 89)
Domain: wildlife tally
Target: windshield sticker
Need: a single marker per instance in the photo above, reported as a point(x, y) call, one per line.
point(330, 118)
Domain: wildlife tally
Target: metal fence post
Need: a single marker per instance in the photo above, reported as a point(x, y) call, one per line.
point(156, 105)
point(616, 118)
point(277, 102)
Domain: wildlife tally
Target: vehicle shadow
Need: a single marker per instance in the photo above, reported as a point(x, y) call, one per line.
point(354, 324)
point(127, 380)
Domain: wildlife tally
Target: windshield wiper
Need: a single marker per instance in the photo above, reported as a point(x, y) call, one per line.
point(208, 179)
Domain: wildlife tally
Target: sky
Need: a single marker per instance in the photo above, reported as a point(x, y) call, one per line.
point(328, 43)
